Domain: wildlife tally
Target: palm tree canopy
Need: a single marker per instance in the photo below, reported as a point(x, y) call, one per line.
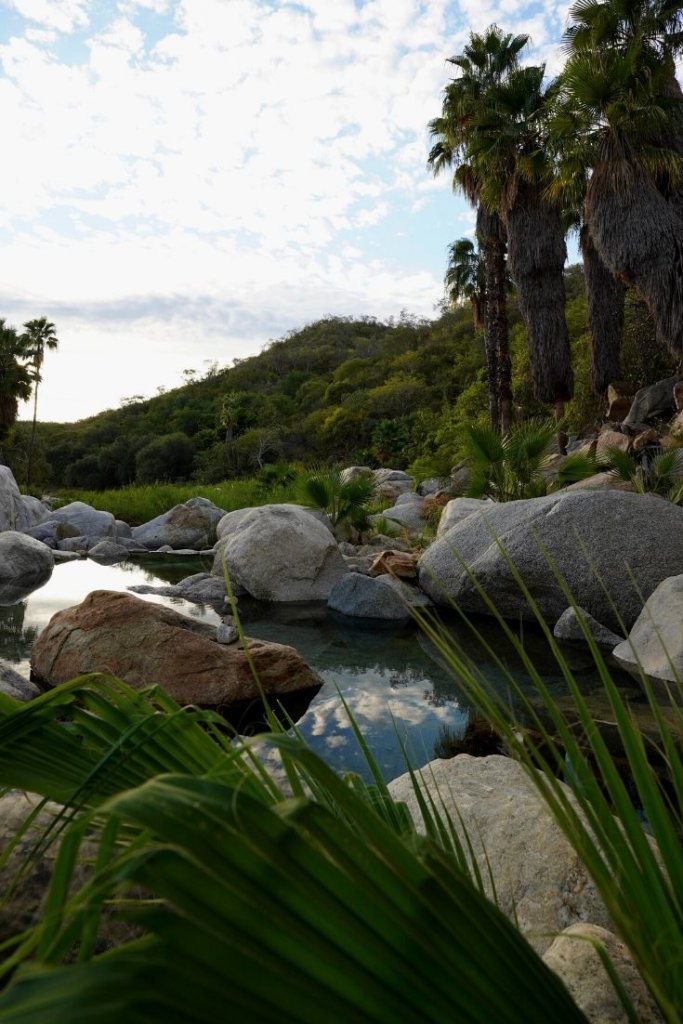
point(39, 335)
point(465, 278)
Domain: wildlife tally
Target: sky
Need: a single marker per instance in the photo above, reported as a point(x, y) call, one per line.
point(184, 181)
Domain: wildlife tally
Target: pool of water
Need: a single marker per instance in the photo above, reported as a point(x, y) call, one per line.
point(400, 692)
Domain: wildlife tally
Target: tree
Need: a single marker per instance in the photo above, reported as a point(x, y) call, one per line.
point(38, 336)
point(484, 63)
point(509, 150)
point(620, 78)
point(165, 458)
point(15, 377)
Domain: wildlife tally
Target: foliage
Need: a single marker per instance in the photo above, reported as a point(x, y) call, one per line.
point(38, 336)
point(344, 501)
point(512, 467)
point(15, 376)
point(165, 458)
point(659, 472)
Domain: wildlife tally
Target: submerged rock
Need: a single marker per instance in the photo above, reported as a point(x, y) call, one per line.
point(568, 627)
point(382, 597)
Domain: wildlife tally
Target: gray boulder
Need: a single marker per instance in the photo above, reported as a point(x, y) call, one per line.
point(568, 628)
point(574, 958)
point(201, 588)
point(231, 521)
point(80, 544)
point(190, 525)
point(123, 531)
point(280, 553)
point(433, 485)
point(389, 483)
point(14, 685)
point(608, 546)
point(87, 520)
point(537, 874)
point(51, 531)
point(354, 472)
point(380, 597)
point(108, 552)
point(656, 640)
point(13, 515)
point(25, 564)
point(33, 511)
point(653, 402)
point(407, 512)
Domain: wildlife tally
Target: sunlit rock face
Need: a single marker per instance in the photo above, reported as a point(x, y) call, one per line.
point(279, 553)
point(190, 525)
point(612, 550)
point(145, 644)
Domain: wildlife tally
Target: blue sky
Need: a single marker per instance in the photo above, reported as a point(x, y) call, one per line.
point(185, 180)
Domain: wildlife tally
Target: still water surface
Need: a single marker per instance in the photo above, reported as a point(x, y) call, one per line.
point(392, 679)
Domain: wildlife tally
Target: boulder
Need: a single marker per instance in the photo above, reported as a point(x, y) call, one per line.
point(676, 426)
point(457, 510)
point(61, 557)
point(407, 512)
point(611, 548)
point(656, 640)
point(351, 473)
point(25, 563)
point(201, 588)
point(619, 409)
point(538, 876)
point(190, 525)
point(13, 512)
point(380, 598)
point(602, 482)
point(389, 483)
point(14, 685)
point(80, 544)
point(611, 439)
point(108, 552)
point(433, 485)
point(146, 644)
point(231, 521)
point(568, 628)
point(88, 521)
point(394, 563)
point(653, 402)
point(280, 553)
point(33, 511)
point(574, 958)
point(51, 531)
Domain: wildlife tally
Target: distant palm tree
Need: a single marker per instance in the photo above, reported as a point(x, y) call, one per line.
point(39, 335)
point(484, 62)
point(15, 378)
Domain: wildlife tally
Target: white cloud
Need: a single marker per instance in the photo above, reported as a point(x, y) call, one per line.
point(61, 15)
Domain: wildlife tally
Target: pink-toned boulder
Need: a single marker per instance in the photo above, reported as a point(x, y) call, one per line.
point(144, 644)
point(394, 563)
point(612, 439)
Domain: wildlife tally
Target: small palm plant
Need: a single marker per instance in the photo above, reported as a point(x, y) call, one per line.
point(344, 501)
point(661, 474)
point(511, 467)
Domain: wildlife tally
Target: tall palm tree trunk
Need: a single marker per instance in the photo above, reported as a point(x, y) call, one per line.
point(29, 466)
point(639, 236)
point(536, 256)
point(605, 295)
point(491, 238)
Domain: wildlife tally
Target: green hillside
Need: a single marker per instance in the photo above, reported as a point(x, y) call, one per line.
point(338, 390)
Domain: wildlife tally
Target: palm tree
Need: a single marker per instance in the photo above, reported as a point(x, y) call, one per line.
point(509, 149)
point(606, 295)
point(621, 79)
point(39, 335)
point(484, 62)
point(15, 378)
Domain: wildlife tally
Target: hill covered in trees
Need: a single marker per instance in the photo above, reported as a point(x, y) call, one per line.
point(337, 390)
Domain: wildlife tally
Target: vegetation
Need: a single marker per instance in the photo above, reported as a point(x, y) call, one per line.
point(38, 336)
point(344, 501)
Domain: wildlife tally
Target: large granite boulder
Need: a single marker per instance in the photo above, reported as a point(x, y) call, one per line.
point(145, 644)
point(656, 640)
point(280, 553)
point(190, 525)
point(25, 563)
point(457, 510)
point(656, 401)
point(608, 546)
point(88, 521)
point(575, 959)
point(389, 483)
point(231, 521)
point(538, 876)
point(14, 684)
point(407, 512)
point(108, 552)
point(200, 588)
point(51, 531)
point(17, 511)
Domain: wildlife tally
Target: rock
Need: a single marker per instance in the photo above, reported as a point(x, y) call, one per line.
point(190, 525)
point(61, 557)
point(389, 483)
point(146, 644)
point(351, 473)
point(433, 485)
point(461, 476)
point(226, 634)
point(280, 553)
point(646, 438)
point(232, 521)
point(595, 538)
point(89, 522)
point(79, 544)
point(618, 410)
point(391, 527)
point(201, 588)
point(619, 389)
point(407, 512)
point(51, 531)
point(381, 598)
point(611, 439)
point(13, 513)
point(14, 685)
point(537, 874)
point(574, 958)
point(603, 482)
point(123, 531)
point(108, 552)
point(25, 563)
point(394, 563)
point(653, 402)
point(676, 427)
point(33, 511)
point(656, 640)
point(457, 510)
point(568, 628)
